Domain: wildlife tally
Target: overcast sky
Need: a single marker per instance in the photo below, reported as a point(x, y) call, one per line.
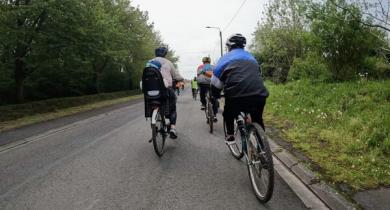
point(182, 25)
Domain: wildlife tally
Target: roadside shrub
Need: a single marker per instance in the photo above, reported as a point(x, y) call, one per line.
point(376, 67)
point(311, 67)
point(383, 69)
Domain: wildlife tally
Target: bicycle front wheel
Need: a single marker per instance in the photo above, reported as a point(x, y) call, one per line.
point(260, 164)
point(159, 134)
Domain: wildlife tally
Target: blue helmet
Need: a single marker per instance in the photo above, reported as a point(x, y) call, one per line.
point(161, 52)
point(154, 64)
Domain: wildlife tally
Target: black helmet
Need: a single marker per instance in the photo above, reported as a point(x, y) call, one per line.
point(236, 41)
point(206, 60)
point(161, 52)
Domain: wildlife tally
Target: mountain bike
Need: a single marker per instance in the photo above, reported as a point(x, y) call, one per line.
point(251, 142)
point(209, 111)
point(160, 128)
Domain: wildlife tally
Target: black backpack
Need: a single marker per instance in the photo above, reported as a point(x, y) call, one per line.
point(153, 86)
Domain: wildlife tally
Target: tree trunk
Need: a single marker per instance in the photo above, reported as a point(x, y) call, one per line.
point(98, 71)
point(20, 76)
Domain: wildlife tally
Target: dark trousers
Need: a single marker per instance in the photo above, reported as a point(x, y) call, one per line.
point(203, 88)
point(172, 106)
point(194, 92)
point(254, 105)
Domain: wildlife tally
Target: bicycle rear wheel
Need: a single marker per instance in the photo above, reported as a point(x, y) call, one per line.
point(235, 149)
point(260, 164)
point(159, 134)
point(210, 114)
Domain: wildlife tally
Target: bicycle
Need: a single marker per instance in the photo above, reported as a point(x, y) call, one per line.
point(209, 111)
point(160, 128)
point(253, 144)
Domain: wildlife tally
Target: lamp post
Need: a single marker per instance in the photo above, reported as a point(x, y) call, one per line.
point(220, 36)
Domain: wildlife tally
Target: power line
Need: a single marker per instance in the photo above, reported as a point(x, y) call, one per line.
point(235, 15)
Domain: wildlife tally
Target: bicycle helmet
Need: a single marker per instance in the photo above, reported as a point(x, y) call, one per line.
point(161, 52)
point(236, 41)
point(206, 60)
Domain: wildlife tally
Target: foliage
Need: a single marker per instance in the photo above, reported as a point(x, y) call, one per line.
point(310, 67)
point(345, 42)
point(281, 38)
point(334, 31)
point(376, 67)
point(344, 127)
point(59, 48)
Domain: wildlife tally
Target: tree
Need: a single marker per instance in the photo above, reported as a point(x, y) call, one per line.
point(344, 41)
point(57, 48)
point(280, 39)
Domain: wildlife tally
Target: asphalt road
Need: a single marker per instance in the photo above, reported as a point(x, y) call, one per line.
point(106, 162)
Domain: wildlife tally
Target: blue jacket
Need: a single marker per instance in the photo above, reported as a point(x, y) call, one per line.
point(238, 73)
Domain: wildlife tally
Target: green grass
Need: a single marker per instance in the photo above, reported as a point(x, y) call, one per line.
point(343, 127)
point(14, 116)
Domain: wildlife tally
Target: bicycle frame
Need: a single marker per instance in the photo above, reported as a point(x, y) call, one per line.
point(242, 121)
point(242, 128)
point(154, 115)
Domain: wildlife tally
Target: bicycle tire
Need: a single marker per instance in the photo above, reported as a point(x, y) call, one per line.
point(266, 163)
point(210, 116)
point(235, 149)
point(159, 135)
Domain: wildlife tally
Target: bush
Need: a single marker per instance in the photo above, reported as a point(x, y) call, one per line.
point(311, 67)
point(376, 67)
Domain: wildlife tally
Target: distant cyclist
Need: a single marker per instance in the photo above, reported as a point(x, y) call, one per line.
point(238, 74)
point(194, 87)
point(177, 88)
point(204, 72)
point(170, 74)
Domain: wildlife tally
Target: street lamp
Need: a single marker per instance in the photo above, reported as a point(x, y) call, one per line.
point(220, 36)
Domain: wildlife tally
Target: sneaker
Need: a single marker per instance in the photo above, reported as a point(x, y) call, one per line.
point(229, 140)
point(203, 107)
point(215, 119)
point(172, 133)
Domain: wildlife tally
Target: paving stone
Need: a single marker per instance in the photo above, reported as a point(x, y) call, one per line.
point(274, 146)
point(331, 197)
point(377, 199)
point(286, 158)
point(305, 174)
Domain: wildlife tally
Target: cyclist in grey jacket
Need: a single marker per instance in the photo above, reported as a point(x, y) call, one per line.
point(169, 74)
point(238, 74)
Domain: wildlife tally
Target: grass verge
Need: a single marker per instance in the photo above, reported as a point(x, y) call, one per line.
point(343, 127)
point(27, 117)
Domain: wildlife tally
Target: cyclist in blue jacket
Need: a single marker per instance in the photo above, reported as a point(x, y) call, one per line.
point(238, 74)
